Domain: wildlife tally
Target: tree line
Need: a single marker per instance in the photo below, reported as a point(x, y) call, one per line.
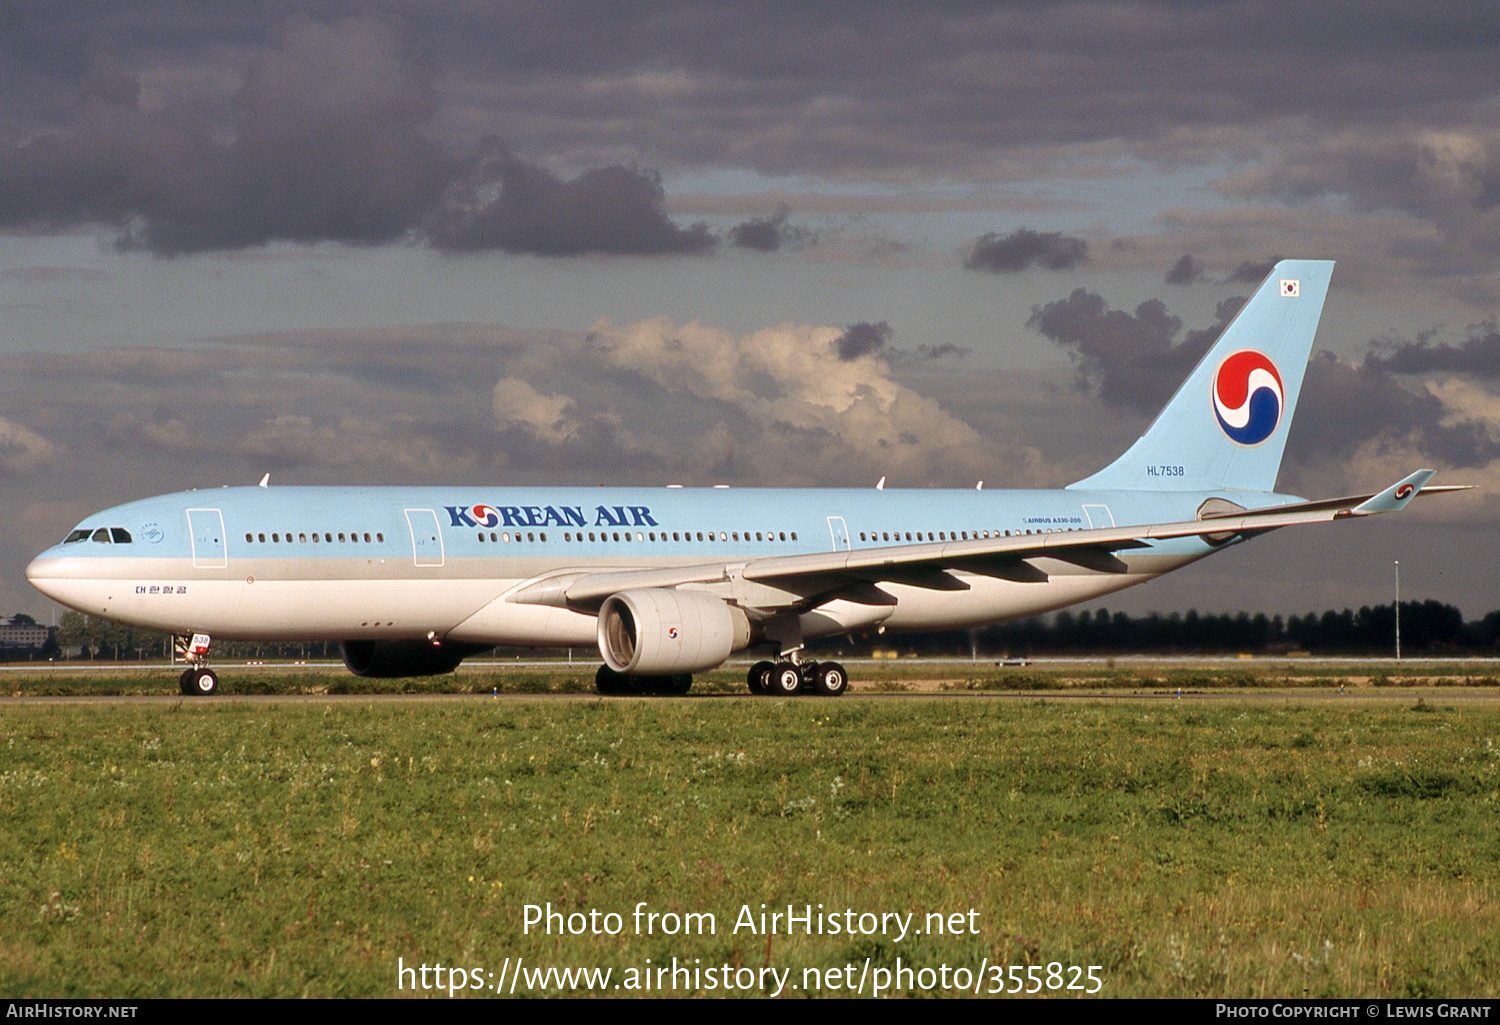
point(1427, 628)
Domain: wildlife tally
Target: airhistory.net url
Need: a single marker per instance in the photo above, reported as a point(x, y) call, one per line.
point(863, 979)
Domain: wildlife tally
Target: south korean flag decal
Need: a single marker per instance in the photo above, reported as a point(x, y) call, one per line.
point(1291, 288)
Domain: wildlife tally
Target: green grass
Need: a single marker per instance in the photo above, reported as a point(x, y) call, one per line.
point(204, 848)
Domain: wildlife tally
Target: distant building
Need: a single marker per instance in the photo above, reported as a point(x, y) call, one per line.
point(29, 636)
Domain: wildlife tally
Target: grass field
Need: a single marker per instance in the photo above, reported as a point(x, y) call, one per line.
point(1189, 848)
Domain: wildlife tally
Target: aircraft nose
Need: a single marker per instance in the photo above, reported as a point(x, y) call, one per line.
point(49, 574)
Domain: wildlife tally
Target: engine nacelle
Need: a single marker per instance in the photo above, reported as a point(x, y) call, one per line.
point(404, 658)
point(660, 632)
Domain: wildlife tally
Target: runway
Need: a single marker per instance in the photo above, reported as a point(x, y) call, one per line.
point(1293, 695)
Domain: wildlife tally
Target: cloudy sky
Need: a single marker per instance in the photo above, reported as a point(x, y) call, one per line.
point(434, 241)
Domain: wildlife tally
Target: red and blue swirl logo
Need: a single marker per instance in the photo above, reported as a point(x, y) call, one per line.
point(1248, 397)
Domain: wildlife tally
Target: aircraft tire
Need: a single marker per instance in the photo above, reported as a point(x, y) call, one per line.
point(679, 684)
point(785, 680)
point(185, 683)
point(202, 682)
point(607, 681)
point(759, 677)
point(831, 679)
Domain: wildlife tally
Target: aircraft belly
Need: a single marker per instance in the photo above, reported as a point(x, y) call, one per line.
point(355, 609)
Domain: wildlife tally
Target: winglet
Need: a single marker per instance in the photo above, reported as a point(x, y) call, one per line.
point(1394, 497)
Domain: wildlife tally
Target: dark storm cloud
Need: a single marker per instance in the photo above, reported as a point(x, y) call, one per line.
point(326, 142)
point(1185, 271)
point(223, 124)
point(1345, 406)
point(862, 339)
point(1128, 359)
point(1477, 355)
point(1022, 248)
point(325, 145)
point(768, 234)
point(1445, 175)
point(514, 206)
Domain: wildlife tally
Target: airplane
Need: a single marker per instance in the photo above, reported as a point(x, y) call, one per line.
point(672, 581)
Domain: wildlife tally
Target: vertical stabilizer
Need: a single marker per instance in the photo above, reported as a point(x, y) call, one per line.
point(1226, 427)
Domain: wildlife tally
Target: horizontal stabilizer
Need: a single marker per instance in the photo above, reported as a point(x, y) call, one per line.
point(1396, 496)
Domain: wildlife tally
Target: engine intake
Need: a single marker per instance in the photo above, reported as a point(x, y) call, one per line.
point(384, 659)
point(659, 632)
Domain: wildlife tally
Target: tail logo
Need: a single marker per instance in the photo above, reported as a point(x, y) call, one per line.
point(1248, 397)
point(1404, 492)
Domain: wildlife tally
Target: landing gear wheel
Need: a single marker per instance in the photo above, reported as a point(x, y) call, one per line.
point(785, 680)
point(831, 679)
point(185, 682)
point(202, 682)
point(680, 684)
point(607, 681)
point(759, 677)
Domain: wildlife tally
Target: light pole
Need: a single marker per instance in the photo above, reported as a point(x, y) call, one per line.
point(1398, 610)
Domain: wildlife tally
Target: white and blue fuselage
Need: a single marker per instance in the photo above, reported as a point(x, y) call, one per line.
point(292, 563)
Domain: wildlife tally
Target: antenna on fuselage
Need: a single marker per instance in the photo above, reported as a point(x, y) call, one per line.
point(880, 484)
point(265, 481)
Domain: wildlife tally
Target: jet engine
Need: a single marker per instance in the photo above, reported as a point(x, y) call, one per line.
point(404, 658)
point(658, 632)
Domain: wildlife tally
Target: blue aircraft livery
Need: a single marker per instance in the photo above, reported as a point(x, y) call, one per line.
point(668, 582)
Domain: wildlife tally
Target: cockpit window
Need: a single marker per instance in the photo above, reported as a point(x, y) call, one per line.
point(120, 535)
point(102, 534)
point(75, 536)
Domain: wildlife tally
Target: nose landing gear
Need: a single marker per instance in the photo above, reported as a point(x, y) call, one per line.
point(198, 680)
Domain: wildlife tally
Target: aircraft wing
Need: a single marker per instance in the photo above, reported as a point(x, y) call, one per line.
point(928, 564)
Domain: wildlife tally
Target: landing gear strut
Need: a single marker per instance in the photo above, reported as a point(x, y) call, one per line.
point(197, 680)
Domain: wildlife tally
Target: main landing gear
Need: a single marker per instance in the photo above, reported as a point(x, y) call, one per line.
point(607, 681)
point(197, 680)
point(788, 679)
